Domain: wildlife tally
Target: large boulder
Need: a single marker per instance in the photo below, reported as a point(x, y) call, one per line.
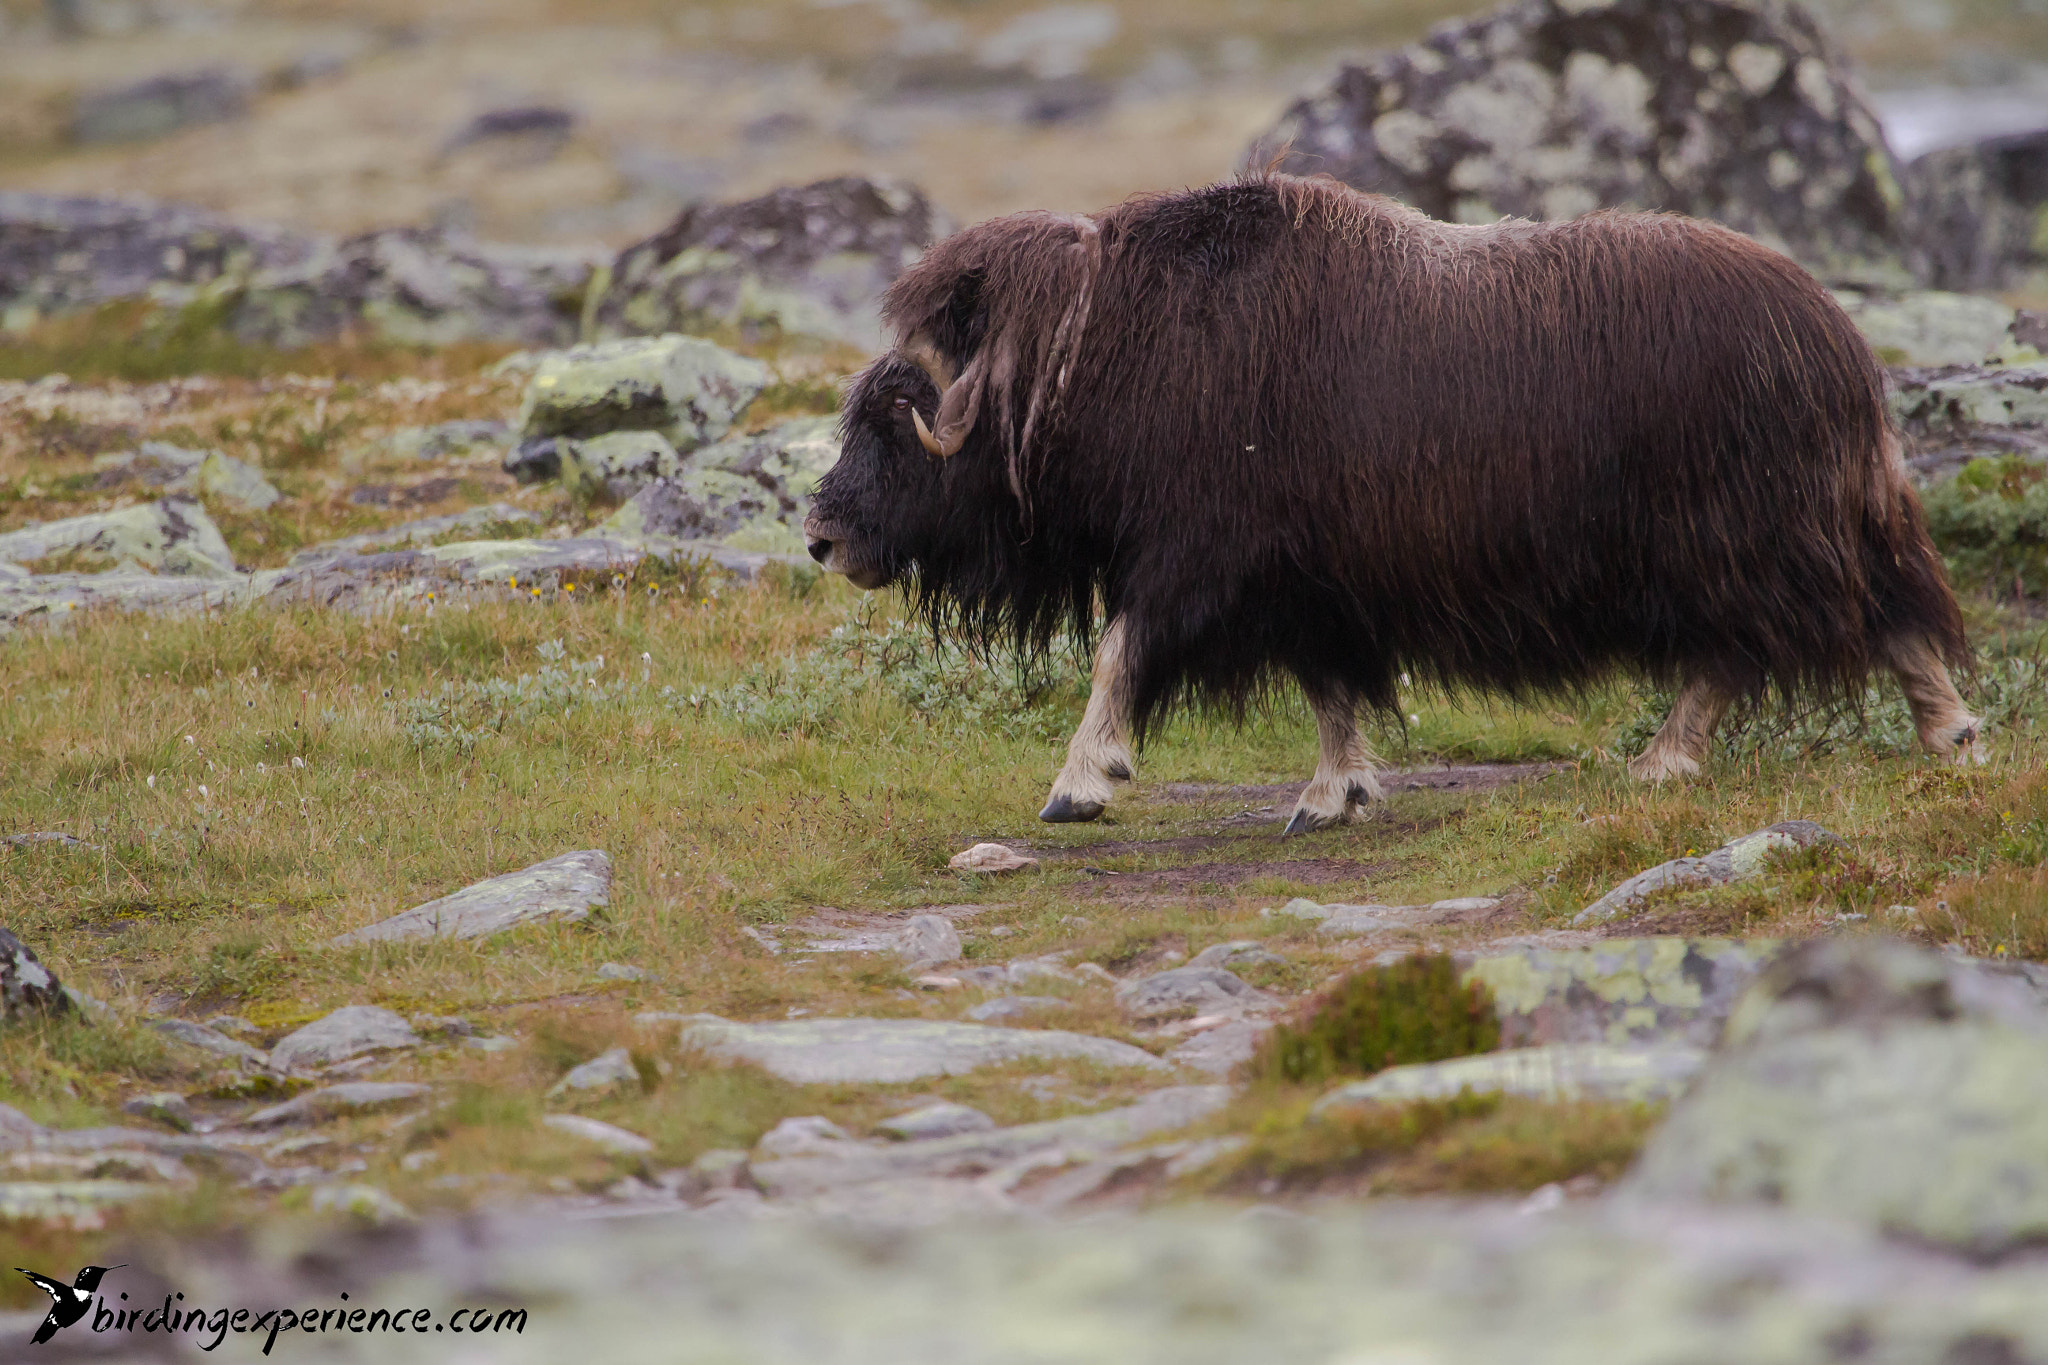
point(172, 535)
point(1981, 213)
point(416, 286)
point(58, 255)
point(1876, 1081)
point(1735, 110)
point(683, 387)
point(1953, 414)
point(812, 259)
point(27, 987)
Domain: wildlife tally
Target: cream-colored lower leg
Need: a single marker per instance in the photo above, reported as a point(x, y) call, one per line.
point(1946, 726)
point(1344, 769)
point(1100, 751)
point(1681, 742)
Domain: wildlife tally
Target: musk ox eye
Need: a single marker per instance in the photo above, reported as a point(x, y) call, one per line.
point(901, 403)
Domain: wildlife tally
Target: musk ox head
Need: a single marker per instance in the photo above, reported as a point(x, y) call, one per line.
point(943, 434)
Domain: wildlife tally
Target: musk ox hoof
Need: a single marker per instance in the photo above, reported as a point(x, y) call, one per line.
point(1657, 765)
point(1062, 811)
point(1305, 821)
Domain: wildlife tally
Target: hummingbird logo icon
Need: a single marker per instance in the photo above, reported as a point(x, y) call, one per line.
point(68, 1302)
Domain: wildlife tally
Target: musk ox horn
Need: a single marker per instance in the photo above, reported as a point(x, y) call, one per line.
point(925, 437)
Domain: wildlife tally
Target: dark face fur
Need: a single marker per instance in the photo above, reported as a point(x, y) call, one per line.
point(877, 511)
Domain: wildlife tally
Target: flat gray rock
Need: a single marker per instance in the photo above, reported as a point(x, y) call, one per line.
point(350, 1031)
point(1248, 952)
point(1735, 861)
point(928, 941)
point(884, 1051)
point(1554, 1071)
point(804, 1136)
point(1008, 1007)
point(212, 1040)
point(337, 1101)
point(940, 1120)
point(978, 1153)
point(1875, 1081)
point(564, 889)
point(420, 532)
point(1190, 990)
point(1221, 1050)
point(615, 1140)
point(165, 1106)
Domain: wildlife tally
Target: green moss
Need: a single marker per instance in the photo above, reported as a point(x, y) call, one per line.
point(1414, 1010)
point(1991, 523)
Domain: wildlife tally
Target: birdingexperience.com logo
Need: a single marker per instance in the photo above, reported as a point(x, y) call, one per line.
point(82, 1304)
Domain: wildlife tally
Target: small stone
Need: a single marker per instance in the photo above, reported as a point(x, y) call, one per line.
point(928, 940)
point(1011, 1007)
point(160, 105)
point(418, 1161)
point(226, 479)
point(606, 1071)
point(1095, 971)
point(442, 1025)
point(802, 1136)
point(337, 1101)
point(991, 858)
point(167, 1107)
point(930, 982)
point(1187, 991)
point(723, 1168)
point(613, 1139)
point(942, 1119)
point(26, 985)
point(619, 971)
point(499, 1043)
point(350, 1031)
point(564, 889)
point(232, 1023)
point(366, 1202)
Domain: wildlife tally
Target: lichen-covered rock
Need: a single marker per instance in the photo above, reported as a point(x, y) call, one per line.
point(338, 1101)
point(686, 388)
point(564, 889)
point(1620, 991)
point(238, 485)
point(1722, 109)
point(173, 535)
point(618, 1141)
point(1878, 1081)
point(1957, 413)
point(1553, 1071)
point(617, 464)
point(1737, 860)
point(927, 941)
point(885, 1051)
point(1933, 327)
point(1981, 214)
point(420, 532)
point(58, 255)
point(412, 285)
point(938, 1120)
point(27, 987)
point(749, 492)
point(812, 260)
point(214, 1041)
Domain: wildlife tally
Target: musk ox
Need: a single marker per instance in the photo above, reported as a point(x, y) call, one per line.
point(1283, 429)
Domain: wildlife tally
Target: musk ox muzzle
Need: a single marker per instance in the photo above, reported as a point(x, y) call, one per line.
point(1276, 429)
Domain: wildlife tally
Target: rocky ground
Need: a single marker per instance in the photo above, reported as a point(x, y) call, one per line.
point(457, 851)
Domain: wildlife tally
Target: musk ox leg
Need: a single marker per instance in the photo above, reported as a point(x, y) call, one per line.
point(1344, 776)
point(1681, 742)
point(1099, 752)
point(1946, 726)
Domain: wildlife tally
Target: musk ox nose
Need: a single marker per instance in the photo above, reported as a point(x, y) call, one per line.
point(821, 550)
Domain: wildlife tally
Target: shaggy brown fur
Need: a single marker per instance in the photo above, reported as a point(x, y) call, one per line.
point(1283, 428)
